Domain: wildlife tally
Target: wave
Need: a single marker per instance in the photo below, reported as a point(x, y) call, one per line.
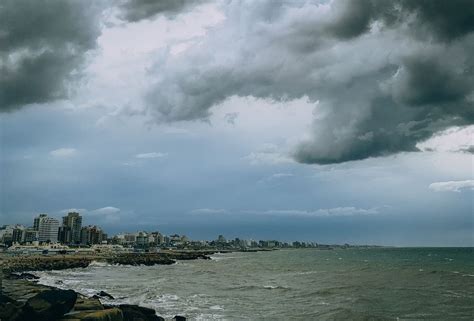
point(99, 264)
point(221, 256)
point(259, 287)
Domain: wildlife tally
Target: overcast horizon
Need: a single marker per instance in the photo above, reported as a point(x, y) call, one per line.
point(326, 121)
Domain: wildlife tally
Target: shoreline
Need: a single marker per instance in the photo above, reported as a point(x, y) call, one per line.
point(24, 263)
point(22, 298)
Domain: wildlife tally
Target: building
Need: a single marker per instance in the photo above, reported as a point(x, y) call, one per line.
point(30, 236)
point(70, 232)
point(18, 234)
point(6, 234)
point(37, 220)
point(65, 235)
point(142, 239)
point(221, 239)
point(92, 235)
point(48, 228)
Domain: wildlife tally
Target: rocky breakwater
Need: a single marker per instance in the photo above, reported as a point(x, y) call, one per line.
point(44, 263)
point(22, 300)
point(165, 257)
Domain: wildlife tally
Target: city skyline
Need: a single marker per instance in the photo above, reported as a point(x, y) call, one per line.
point(338, 121)
point(48, 230)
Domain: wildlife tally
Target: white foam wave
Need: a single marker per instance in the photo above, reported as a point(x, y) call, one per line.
point(99, 264)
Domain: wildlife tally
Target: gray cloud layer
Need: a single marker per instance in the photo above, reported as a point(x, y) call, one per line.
point(136, 10)
point(42, 45)
point(385, 74)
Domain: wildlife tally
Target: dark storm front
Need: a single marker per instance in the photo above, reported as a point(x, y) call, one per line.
point(304, 284)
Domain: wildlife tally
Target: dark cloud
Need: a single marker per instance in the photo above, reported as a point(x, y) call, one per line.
point(446, 20)
point(469, 150)
point(136, 10)
point(42, 46)
point(384, 75)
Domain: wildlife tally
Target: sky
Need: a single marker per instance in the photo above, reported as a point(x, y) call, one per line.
point(327, 121)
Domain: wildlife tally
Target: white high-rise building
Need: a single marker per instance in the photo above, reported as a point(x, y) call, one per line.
point(48, 229)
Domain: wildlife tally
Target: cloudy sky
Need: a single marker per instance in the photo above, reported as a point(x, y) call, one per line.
point(330, 121)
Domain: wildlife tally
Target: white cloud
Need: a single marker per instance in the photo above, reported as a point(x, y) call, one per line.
point(269, 154)
point(455, 139)
point(63, 152)
point(151, 155)
point(105, 210)
point(324, 212)
point(452, 186)
point(209, 211)
point(275, 178)
point(69, 210)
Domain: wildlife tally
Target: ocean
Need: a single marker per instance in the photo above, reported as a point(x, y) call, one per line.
point(299, 284)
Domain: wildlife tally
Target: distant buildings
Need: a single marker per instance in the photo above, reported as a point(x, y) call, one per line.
point(47, 233)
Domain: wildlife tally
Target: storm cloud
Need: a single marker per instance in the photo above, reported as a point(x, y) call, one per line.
point(42, 48)
point(136, 10)
point(383, 75)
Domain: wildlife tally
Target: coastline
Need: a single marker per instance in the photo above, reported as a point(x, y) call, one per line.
point(23, 299)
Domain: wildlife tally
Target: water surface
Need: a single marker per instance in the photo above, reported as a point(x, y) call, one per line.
point(306, 284)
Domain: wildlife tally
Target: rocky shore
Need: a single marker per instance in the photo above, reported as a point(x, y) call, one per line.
point(60, 262)
point(22, 299)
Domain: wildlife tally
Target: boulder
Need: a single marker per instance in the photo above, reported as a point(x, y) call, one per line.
point(23, 276)
point(9, 308)
point(113, 314)
point(84, 304)
point(179, 318)
point(49, 305)
point(103, 294)
point(135, 313)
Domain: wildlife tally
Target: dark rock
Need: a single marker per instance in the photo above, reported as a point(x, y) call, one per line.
point(83, 304)
point(113, 314)
point(24, 276)
point(49, 305)
point(103, 294)
point(179, 318)
point(9, 308)
point(135, 312)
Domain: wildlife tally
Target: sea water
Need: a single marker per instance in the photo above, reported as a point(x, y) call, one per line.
point(300, 284)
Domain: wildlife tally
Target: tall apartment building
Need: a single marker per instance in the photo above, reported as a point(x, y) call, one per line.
point(30, 235)
point(48, 228)
point(70, 231)
point(37, 220)
point(18, 234)
point(92, 235)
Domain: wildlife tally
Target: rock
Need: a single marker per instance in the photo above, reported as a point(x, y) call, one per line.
point(9, 308)
point(179, 318)
point(113, 314)
point(49, 305)
point(24, 276)
point(103, 294)
point(83, 304)
point(135, 313)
